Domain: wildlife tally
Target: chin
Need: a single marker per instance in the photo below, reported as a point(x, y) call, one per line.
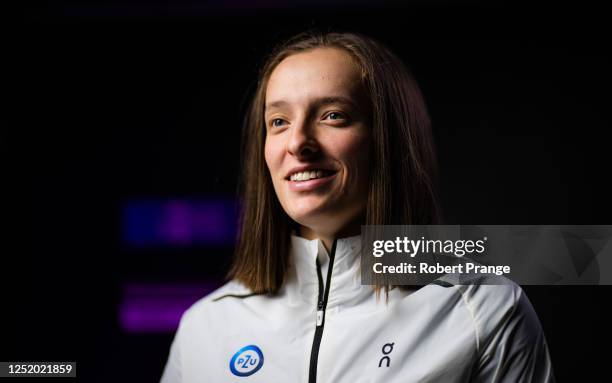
point(309, 217)
point(305, 218)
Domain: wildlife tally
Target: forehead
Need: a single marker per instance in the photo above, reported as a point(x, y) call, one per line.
point(321, 72)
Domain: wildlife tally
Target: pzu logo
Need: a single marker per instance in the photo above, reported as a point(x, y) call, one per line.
point(246, 361)
point(386, 350)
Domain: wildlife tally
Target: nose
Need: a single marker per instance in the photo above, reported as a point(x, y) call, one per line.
point(302, 141)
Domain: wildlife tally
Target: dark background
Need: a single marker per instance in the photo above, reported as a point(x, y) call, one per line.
point(112, 101)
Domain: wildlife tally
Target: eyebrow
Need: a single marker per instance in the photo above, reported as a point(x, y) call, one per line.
point(317, 102)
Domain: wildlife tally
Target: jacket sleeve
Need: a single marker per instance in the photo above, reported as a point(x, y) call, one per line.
point(516, 350)
point(172, 371)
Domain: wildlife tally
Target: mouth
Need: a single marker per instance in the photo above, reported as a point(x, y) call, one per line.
point(308, 175)
point(310, 180)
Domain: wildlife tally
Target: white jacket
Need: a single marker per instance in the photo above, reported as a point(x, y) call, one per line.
point(438, 333)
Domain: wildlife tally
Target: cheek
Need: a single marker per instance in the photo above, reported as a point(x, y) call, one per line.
point(273, 156)
point(269, 155)
point(355, 152)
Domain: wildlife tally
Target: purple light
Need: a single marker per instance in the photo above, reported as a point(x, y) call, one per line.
point(157, 308)
point(179, 222)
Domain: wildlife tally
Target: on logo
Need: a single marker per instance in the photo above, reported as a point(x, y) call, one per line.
point(386, 350)
point(246, 361)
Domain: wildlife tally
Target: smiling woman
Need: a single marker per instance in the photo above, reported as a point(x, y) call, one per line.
point(337, 136)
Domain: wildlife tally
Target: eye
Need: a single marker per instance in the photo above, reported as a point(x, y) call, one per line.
point(335, 116)
point(277, 122)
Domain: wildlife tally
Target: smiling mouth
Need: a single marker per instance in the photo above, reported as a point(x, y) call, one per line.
point(310, 175)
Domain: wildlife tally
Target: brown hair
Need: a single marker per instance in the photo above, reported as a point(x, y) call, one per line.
point(403, 170)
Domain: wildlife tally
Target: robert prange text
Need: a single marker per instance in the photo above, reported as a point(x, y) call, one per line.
point(425, 268)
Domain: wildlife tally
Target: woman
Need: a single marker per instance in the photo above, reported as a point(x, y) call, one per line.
point(337, 135)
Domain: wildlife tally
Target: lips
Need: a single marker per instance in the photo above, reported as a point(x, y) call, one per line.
point(311, 184)
point(309, 175)
point(305, 173)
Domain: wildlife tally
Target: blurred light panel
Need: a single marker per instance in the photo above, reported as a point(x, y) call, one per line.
point(179, 223)
point(156, 307)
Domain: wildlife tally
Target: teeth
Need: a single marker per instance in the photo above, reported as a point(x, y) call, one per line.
point(307, 175)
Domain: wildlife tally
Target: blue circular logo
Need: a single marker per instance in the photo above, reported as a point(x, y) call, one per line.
point(246, 361)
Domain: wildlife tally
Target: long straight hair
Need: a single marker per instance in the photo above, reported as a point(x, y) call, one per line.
point(403, 183)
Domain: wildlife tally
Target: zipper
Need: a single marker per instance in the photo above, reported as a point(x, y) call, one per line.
point(321, 305)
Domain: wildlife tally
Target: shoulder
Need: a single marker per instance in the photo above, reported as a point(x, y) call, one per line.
point(202, 324)
point(490, 295)
point(483, 290)
point(214, 303)
point(497, 305)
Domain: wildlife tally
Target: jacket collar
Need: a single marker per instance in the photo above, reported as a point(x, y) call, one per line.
point(302, 283)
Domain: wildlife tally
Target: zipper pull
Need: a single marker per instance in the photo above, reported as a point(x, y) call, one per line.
point(320, 314)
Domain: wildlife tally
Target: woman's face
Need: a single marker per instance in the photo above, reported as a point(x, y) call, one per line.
point(317, 139)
